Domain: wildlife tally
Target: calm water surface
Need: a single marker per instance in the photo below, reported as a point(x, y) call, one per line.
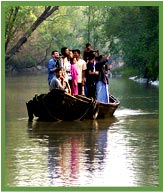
point(120, 151)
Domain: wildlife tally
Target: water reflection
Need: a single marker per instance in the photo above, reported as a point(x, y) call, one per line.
point(123, 151)
point(111, 152)
point(71, 146)
point(124, 112)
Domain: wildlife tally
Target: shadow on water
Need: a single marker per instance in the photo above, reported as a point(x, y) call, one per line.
point(65, 128)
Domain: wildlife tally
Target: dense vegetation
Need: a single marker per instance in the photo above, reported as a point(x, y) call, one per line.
point(130, 34)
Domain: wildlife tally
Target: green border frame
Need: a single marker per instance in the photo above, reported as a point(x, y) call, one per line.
point(78, 3)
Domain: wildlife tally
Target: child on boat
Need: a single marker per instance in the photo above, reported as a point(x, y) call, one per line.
point(74, 75)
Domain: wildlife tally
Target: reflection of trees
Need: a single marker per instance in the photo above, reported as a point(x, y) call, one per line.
point(72, 147)
point(144, 149)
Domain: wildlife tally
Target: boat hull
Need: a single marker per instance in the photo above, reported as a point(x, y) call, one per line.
point(106, 110)
point(58, 105)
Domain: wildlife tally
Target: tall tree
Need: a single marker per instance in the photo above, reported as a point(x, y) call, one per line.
point(47, 12)
point(95, 19)
point(133, 32)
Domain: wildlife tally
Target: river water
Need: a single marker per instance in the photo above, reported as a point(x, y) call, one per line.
point(119, 151)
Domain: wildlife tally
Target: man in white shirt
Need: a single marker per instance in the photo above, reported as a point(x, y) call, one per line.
point(81, 67)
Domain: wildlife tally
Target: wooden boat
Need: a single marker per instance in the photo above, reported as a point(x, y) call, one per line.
point(107, 110)
point(58, 105)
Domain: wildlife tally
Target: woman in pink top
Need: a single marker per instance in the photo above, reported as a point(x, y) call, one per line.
point(74, 74)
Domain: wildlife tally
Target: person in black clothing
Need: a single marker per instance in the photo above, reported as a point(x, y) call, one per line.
point(96, 74)
point(91, 76)
point(102, 90)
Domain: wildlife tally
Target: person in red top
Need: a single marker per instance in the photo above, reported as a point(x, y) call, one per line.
point(88, 51)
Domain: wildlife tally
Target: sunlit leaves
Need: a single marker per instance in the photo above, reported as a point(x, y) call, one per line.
point(137, 31)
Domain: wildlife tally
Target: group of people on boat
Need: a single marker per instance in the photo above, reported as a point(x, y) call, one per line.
point(87, 76)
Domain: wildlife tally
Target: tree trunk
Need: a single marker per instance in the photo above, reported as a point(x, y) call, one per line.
point(48, 11)
point(10, 24)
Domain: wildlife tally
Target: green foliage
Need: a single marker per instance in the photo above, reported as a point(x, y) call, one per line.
point(136, 29)
point(17, 21)
point(28, 62)
point(94, 34)
point(130, 72)
point(19, 63)
point(130, 33)
point(126, 71)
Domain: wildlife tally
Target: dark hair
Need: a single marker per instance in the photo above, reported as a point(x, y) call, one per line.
point(76, 50)
point(71, 60)
point(63, 51)
point(54, 52)
point(87, 44)
point(101, 56)
point(91, 56)
point(58, 69)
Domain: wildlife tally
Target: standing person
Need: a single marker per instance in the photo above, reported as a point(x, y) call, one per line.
point(74, 74)
point(81, 68)
point(52, 65)
point(66, 63)
point(68, 70)
point(89, 51)
point(91, 77)
point(102, 86)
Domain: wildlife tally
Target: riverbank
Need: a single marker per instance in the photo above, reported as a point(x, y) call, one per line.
point(144, 80)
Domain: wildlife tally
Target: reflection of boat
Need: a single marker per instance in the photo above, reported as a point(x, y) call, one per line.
point(58, 105)
point(69, 128)
point(70, 146)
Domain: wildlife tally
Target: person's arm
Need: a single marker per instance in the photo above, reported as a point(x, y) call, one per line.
point(93, 72)
point(52, 66)
point(90, 70)
point(84, 55)
point(84, 68)
point(83, 77)
point(68, 87)
point(109, 62)
point(110, 66)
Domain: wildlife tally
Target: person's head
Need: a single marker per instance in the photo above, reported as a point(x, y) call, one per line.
point(58, 72)
point(76, 53)
point(55, 54)
point(65, 51)
point(88, 46)
point(74, 60)
point(97, 58)
point(101, 57)
point(91, 57)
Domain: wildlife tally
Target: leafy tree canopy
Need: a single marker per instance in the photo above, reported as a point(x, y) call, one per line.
point(130, 33)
